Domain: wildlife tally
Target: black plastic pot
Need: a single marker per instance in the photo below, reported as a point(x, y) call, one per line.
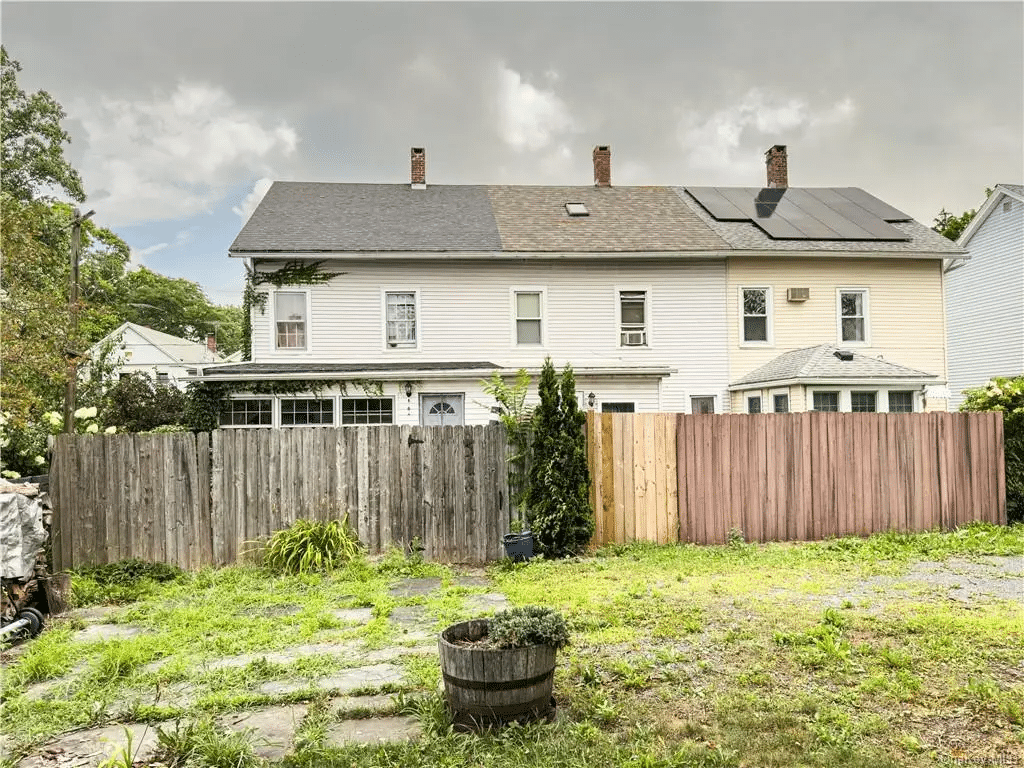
point(519, 546)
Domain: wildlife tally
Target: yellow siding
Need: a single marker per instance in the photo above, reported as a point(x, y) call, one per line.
point(906, 323)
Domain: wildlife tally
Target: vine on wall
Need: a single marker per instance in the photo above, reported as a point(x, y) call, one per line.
point(292, 273)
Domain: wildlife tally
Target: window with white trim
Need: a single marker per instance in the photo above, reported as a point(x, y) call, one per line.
point(702, 404)
point(290, 319)
point(305, 411)
point(853, 317)
point(367, 410)
point(780, 403)
point(863, 402)
point(754, 404)
point(528, 307)
point(247, 412)
point(633, 318)
point(826, 401)
point(401, 318)
point(901, 401)
point(755, 315)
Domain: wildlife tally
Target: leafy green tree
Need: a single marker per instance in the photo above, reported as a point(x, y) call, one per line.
point(951, 226)
point(137, 404)
point(1006, 395)
point(33, 140)
point(558, 507)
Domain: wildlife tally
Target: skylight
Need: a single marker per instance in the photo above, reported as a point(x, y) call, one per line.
point(576, 209)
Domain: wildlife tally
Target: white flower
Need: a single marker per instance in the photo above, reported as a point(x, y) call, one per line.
point(92, 429)
point(10, 473)
point(54, 419)
point(86, 413)
point(110, 430)
point(40, 460)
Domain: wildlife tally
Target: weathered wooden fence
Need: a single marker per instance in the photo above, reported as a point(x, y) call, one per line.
point(669, 477)
point(187, 500)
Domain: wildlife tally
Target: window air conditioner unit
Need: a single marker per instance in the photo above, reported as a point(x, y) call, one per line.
point(634, 339)
point(798, 294)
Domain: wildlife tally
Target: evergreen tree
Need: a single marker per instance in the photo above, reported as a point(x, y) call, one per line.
point(559, 511)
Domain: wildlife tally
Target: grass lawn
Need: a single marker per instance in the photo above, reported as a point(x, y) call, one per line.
point(839, 653)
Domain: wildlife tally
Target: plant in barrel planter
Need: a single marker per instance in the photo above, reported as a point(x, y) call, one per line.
point(502, 669)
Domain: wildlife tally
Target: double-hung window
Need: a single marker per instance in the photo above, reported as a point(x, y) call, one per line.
point(863, 402)
point(401, 318)
point(853, 315)
point(826, 401)
point(529, 308)
point(290, 319)
point(901, 401)
point(633, 318)
point(756, 319)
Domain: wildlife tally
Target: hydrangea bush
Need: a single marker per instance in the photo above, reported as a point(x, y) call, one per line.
point(23, 447)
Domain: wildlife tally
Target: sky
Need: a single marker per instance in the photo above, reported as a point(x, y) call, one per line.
point(181, 114)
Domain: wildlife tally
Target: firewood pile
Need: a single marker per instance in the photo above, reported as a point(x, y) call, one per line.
point(25, 520)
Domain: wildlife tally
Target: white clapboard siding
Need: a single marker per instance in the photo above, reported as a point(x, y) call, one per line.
point(466, 315)
point(985, 303)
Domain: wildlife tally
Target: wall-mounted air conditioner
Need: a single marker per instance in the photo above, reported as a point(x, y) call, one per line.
point(798, 294)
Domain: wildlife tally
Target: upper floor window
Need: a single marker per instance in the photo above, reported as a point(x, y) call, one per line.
point(633, 318)
point(755, 315)
point(401, 319)
point(853, 315)
point(528, 317)
point(290, 319)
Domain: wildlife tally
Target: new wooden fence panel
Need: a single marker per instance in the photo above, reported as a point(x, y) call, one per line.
point(793, 476)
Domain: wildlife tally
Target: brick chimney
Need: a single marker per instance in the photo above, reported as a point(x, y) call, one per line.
point(211, 343)
point(602, 166)
point(778, 170)
point(419, 168)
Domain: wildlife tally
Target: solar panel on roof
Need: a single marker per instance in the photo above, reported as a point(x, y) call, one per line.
point(796, 213)
point(717, 205)
point(872, 204)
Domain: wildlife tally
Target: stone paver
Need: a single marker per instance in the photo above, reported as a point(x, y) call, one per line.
point(486, 603)
point(273, 727)
point(95, 613)
point(347, 705)
point(472, 581)
point(376, 730)
point(273, 611)
point(175, 695)
point(353, 615)
point(414, 587)
point(95, 632)
point(342, 682)
point(287, 656)
point(393, 652)
point(57, 687)
point(86, 749)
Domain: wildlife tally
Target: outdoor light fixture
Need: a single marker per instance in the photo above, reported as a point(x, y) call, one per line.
point(591, 399)
point(408, 389)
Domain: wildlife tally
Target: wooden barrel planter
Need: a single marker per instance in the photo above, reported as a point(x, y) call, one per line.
point(487, 686)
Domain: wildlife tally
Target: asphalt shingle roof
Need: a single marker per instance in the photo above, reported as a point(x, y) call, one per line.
point(820, 362)
point(313, 216)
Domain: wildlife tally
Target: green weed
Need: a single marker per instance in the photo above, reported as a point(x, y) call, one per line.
point(311, 547)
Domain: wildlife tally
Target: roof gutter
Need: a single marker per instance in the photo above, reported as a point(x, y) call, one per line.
point(839, 382)
point(482, 255)
point(422, 375)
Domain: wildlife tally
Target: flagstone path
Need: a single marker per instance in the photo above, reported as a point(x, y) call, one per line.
point(356, 716)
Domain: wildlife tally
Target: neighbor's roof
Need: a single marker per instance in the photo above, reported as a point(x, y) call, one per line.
point(821, 362)
point(175, 347)
point(746, 235)
point(1015, 191)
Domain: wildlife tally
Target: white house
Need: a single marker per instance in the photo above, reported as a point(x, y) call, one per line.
point(985, 295)
point(160, 356)
point(425, 290)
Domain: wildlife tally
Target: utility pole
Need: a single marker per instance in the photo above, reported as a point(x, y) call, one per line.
point(72, 355)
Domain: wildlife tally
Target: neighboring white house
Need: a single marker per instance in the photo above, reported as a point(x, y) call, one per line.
point(436, 287)
point(160, 356)
point(985, 295)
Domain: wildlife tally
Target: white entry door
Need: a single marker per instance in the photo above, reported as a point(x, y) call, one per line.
point(441, 410)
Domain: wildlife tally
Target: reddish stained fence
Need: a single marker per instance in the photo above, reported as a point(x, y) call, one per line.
point(781, 477)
